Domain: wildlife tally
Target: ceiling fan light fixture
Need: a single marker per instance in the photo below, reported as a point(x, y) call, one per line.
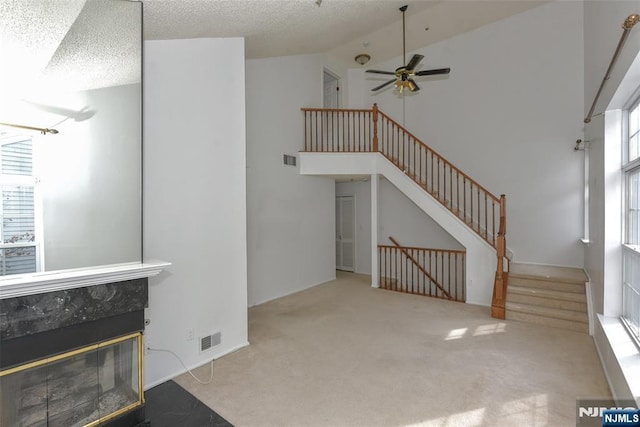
point(362, 58)
point(405, 73)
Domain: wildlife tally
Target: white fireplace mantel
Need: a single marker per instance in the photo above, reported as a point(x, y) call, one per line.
point(39, 283)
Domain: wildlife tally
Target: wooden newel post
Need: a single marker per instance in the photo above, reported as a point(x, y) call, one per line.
point(500, 286)
point(375, 127)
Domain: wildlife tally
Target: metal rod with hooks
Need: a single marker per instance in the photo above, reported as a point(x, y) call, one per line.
point(627, 25)
point(43, 131)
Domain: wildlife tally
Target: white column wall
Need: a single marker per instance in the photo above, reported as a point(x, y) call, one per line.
point(194, 200)
point(290, 218)
point(375, 209)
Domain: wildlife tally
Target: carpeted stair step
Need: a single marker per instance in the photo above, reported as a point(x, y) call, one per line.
point(548, 321)
point(547, 298)
point(555, 313)
point(548, 295)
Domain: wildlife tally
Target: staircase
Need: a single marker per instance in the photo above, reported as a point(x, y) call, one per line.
point(552, 296)
point(359, 131)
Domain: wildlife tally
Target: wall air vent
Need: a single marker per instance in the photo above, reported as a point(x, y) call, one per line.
point(289, 160)
point(210, 341)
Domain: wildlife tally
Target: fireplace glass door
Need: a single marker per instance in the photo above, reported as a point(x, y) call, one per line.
point(84, 387)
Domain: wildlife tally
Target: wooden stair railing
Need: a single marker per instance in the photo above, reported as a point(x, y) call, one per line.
point(437, 273)
point(370, 130)
point(419, 267)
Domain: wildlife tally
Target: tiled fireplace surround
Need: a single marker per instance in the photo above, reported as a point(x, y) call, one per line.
point(37, 326)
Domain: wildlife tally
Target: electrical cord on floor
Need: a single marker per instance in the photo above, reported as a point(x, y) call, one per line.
point(185, 366)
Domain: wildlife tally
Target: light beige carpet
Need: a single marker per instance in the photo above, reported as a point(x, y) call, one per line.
point(345, 354)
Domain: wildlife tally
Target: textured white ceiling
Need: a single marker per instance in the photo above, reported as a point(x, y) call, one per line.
point(68, 44)
point(93, 43)
point(287, 27)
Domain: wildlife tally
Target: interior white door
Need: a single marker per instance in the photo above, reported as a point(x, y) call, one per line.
point(345, 233)
point(331, 91)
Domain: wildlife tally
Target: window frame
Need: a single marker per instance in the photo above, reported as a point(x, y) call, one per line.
point(630, 243)
point(26, 181)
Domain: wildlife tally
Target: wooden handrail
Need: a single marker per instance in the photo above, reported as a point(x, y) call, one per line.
point(339, 110)
point(417, 264)
point(417, 140)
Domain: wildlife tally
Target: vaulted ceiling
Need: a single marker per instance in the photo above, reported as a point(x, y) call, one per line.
point(344, 28)
point(55, 39)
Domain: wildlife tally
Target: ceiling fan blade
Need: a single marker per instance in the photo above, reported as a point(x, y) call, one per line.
point(383, 85)
point(415, 60)
point(412, 85)
point(391, 73)
point(433, 72)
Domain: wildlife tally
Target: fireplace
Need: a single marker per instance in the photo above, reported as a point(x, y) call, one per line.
point(83, 387)
point(73, 357)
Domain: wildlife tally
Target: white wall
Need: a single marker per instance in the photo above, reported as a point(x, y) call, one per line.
point(398, 216)
point(290, 218)
point(602, 31)
point(508, 115)
point(195, 199)
point(90, 180)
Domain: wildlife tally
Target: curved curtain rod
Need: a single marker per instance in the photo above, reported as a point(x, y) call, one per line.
point(627, 25)
point(44, 131)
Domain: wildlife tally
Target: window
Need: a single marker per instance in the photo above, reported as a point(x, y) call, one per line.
point(631, 249)
point(19, 249)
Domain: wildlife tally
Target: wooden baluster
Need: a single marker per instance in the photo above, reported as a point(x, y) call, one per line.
point(444, 182)
point(314, 131)
point(458, 193)
point(390, 272)
point(463, 279)
point(420, 166)
point(448, 254)
point(464, 198)
point(430, 269)
point(306, 147)
point(438, 189)
point(380, 261)
point(396, 276)
point(345, 128)
point(455, 277)
point(358, 142)
point(439, 271)
point(486, 219)
point(375, 128)
point(323, 142)
point(432, 183)
point(451, 172)
point(478, 221)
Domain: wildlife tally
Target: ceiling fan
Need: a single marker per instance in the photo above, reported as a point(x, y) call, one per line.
point(404, 74)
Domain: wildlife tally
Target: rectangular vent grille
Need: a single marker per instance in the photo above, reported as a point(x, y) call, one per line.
point(289, 160)
point(210, 341)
